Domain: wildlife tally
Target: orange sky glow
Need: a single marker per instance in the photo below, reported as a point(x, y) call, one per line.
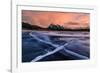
point(67, 19)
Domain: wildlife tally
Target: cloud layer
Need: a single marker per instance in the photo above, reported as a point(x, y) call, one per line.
point(67, 19)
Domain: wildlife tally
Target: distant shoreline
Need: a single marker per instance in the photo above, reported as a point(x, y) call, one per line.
point(59, 30)
point(25, 30)
point(51, 27)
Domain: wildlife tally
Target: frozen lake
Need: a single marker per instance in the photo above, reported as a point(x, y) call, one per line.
point(40, 46)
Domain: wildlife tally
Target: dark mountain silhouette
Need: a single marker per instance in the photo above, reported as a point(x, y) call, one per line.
point(59, 27)
point(53, 27)
point(29, 26)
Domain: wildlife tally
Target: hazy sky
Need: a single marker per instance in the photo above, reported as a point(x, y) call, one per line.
point(67, 19)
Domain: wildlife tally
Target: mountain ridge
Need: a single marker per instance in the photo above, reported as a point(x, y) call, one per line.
point(51, 27)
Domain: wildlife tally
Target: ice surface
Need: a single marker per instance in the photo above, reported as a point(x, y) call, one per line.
point(40, 46)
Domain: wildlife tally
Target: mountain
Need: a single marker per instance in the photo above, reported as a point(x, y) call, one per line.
point(61, 28)
point(29, 26)
point(54, 27)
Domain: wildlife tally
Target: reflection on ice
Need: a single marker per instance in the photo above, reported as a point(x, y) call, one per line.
point(37, 46)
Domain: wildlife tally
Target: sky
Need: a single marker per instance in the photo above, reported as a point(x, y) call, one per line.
point(43, 19)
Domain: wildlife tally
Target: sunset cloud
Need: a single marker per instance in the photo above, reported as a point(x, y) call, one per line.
point(67, 19)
